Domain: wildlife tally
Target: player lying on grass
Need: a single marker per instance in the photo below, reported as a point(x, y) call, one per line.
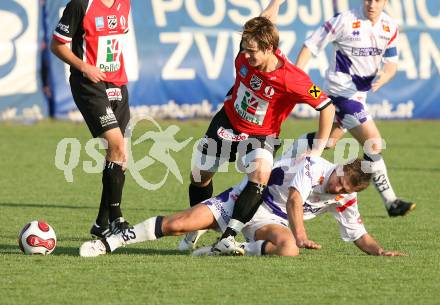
point(299, 189)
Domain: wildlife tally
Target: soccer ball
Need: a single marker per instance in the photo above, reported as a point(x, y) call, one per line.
point(37, 237)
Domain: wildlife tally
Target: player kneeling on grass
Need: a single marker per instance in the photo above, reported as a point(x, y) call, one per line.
point(298, 189)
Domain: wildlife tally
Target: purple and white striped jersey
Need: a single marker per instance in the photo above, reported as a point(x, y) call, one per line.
point(309, 177)
point(359, 50)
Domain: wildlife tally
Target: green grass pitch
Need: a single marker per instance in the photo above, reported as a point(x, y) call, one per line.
point(31, 187)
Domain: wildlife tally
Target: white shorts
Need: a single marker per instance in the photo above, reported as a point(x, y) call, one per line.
point(262, 217)
point(222, 207)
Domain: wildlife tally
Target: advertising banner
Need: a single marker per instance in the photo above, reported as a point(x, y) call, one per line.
point(179, 55)
point(21, 96)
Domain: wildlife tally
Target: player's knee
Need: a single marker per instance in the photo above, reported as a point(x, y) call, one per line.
point(117, 153)
point(376, 148)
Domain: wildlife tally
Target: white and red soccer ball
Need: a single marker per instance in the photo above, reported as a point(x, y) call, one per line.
point(37, 237)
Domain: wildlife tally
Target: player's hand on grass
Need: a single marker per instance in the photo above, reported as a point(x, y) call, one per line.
point(393, 253)
point(308, 244)
point(93, 73)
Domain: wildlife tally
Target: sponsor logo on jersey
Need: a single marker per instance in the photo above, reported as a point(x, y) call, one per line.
point(315, 92)
point(321, 180)
point(366, 51)
point(108, 118)
point(63, 28)
point(355, 36)
point(227, 134)
point(114, 94)
point(123, 22)
point(109, 52)
point(383, 37)
point(386, 27)
point(255, 83)
point(269, 91)
point(112, 22)
point(356, 24)
point(250, 107)
point(99, 23)
point(243, 71)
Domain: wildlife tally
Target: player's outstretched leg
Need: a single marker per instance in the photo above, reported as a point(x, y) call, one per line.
point(150, 229)
point(197, 218)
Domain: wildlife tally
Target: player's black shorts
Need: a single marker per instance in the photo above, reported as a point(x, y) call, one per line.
point(223, 141)
point(104, 106)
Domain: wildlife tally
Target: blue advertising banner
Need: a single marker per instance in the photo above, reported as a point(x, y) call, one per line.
point(21, 96)
point(179, 55)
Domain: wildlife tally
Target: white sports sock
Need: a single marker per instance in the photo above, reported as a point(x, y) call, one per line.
point(141, 232)
point(382, 182)
point(253, 248)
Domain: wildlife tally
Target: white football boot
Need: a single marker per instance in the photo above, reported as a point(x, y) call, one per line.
point(225, 246)
point(92, 248)
point(203, 251)
point(190, 240)
point(228, 246)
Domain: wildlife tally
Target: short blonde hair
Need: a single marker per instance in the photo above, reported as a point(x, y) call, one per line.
point(263, 32)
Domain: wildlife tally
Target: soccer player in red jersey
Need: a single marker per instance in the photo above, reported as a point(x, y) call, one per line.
point(95, 30)
point(266, 89)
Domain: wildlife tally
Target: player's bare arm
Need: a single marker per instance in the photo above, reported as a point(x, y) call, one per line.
point(63, 52)
point(303, 57)
point(370, 246)
point(384, 75)
point(326, 117)
point(295, 214)
point(271, 11)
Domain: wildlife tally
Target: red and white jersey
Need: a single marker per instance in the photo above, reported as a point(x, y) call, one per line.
point(360, 48)
point(261, 101)
point(309, 176)
point(96, 33)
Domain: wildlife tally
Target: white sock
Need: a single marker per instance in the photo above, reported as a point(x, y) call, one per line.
point(253, 248)
point(141, 232)
point(382, 182)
